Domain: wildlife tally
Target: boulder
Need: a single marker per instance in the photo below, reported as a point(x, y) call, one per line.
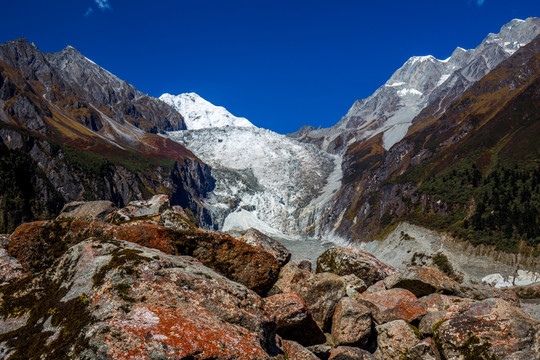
point(175, 220)
point(10, 268)
point(256, 238)
point(481, 292)
point(295, 351)
point(394, 340)
point(87, 210)
point(424, 350)
point(320, 292)
point(140, 209)
point(428, 321)
point(488, 329)
point(422, 281)
point(304, 265)
point(351, 324)
point(531, 291)
point(322, 351)
point(349, 353)
point(293, 319)
point(393, 304)
point(36, 245)
point(108, 299)
point(440, 302)
point(344, 261)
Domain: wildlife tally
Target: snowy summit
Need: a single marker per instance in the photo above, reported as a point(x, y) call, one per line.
point(200, 114)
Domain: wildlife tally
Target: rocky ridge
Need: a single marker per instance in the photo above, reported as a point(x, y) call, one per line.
point(125, 289)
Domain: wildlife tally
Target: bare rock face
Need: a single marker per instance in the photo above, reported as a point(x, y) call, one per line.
point(349, 353)
point(256, 238)
point(293, 319)
point(344, 261)
point(87, 210)
point(394, 339)
point(320, 292)
point(424, 350)
point(422, 281)
point(107, 299)
point(295, 351)
point(393, 304)
point(488, 329)
point(351, 324)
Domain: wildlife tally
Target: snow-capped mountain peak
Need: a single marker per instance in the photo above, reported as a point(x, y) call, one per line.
point(199, 113)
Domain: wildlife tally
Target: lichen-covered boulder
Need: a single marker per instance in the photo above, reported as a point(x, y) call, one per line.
point(256, 238)
point(481, 292)
point(109, 299)
point(36, 245)
point(140, 209)
point(87, 210)
point(320, 292)
point(488, 329)
point(353, 285)
point(531, 291)
point(293, 319)
point(394, 340)
point(351, 324)
point(422, 281)
point(393, 304)
point(349, 353)
point(344, 261)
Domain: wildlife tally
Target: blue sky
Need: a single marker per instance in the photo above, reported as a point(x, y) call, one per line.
point(281, 64)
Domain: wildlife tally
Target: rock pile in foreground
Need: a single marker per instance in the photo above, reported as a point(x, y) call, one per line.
point(143, 282)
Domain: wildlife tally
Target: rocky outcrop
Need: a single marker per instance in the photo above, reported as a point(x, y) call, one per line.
point(344, 261)
point(36, 245)
point(159, 305)
point(293, 319)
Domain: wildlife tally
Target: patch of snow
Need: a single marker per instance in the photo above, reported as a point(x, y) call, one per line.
point(523, 278)
point(199, 113)
point(409, 91)
point(396, 84)
point(443, 78)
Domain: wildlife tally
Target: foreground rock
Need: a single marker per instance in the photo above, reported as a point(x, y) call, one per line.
point(488, 329)
point(422, 281)
point(349, 353)
point(351, 324)
point(393, 304)
point(424, 350)
point(293, 319)
point(294, 351)
point(256, 238)
point(394, 339)
point(160, 306)
point(344, 261)
point(36, 245)
point(87, 210)
point(140, 209)
point(320, 292)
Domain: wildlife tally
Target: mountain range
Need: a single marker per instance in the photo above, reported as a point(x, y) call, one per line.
point(90, 135)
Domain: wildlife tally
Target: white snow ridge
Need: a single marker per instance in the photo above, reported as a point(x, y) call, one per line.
point(199, 113)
